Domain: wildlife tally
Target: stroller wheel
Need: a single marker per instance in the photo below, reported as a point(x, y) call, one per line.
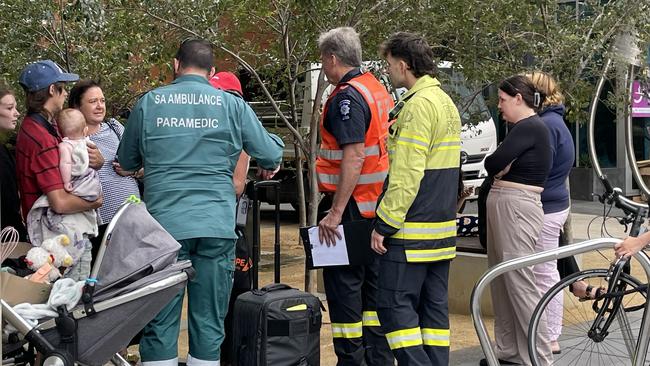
point(56, 359)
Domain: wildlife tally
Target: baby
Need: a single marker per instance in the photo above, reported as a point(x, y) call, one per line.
point(79, 179)
point(73, 152)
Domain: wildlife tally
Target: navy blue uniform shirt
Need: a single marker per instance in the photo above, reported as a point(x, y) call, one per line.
point(348, 115)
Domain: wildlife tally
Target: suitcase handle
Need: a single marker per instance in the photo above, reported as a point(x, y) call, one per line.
point(267, 183)
point(275, 185)
point(273, 287)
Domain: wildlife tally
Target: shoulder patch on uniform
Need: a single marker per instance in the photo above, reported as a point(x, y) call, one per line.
point(344, 109)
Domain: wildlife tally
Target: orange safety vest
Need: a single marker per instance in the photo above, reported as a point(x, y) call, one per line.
point(375, 165)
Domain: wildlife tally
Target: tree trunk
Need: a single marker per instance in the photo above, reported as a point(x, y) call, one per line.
point(312, 219)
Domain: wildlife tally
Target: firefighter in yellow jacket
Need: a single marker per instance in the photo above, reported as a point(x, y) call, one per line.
point(351, 167)
point(415, 228)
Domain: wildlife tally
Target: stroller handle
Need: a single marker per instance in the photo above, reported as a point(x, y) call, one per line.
point(107, 238)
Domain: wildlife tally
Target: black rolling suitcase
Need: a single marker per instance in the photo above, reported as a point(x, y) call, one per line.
point(276, 325)
point(243, 276)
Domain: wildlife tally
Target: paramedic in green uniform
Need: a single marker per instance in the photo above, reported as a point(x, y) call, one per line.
point(188, 137)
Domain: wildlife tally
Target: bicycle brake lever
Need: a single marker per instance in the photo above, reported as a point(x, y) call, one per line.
point(601, 198)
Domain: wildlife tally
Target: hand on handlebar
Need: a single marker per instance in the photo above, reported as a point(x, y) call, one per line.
point(632, 245)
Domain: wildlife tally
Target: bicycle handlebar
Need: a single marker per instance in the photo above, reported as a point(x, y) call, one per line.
point(613, 195)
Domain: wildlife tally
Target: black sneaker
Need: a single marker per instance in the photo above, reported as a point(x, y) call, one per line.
point(484, 362)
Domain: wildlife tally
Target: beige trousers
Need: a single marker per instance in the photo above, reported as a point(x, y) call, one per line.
point(514, 221)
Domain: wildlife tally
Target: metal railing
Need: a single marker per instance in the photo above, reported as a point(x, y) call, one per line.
point(549, 255)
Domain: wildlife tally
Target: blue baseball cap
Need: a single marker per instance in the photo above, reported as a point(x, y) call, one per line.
point(41, 74)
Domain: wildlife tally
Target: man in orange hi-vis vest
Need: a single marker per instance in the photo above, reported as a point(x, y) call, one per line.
point(351, 166)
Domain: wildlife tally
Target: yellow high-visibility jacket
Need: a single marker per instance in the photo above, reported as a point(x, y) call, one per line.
point(417, 210)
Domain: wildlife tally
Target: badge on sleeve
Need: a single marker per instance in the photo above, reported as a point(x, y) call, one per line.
point(344, 109)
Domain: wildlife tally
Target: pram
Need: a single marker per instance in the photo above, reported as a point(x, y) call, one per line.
point(136, 275)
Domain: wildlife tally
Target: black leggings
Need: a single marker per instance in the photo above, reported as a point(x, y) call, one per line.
point(568, 265)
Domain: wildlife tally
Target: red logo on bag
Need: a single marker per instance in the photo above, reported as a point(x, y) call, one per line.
point(243, 264)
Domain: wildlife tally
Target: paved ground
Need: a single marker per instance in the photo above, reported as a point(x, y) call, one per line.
point(465, 348)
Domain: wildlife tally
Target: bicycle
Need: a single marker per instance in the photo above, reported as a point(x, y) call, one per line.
point(589, 331)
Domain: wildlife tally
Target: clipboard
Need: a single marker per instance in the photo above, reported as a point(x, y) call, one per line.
point(357, 240)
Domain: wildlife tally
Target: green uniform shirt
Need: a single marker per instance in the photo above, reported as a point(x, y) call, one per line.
point(188, 137)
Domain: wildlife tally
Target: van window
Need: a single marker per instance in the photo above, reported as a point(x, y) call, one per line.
point(470, 103)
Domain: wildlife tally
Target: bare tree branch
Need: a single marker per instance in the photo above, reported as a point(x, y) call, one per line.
point(464, 107)
point(357, 10)
point(275, 26)
point(242, 62)
point(53, 41)
point(505, 42)
point(65, 38)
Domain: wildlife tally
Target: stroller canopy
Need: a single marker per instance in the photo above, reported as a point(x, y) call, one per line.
point(136, 247)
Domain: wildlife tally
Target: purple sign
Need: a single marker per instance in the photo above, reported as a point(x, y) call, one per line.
point(640, 101)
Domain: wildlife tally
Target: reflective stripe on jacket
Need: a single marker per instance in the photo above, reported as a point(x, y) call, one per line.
point(419, 201)
point(375, 165)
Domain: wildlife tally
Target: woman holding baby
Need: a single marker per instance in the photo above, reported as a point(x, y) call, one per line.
point(118, 185)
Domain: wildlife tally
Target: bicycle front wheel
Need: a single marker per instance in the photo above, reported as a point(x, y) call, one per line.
point(561, 316)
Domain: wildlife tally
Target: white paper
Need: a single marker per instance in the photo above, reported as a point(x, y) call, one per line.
point(333, 255)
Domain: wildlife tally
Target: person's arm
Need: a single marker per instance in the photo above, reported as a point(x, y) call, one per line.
point(351, 164)
point(124, 173)
point(516, 142)
point(266, 148)
point(241, 172)
point(65, 165)
point(45, 166)
point(348, 116)
point(411, 150)
point(63, 202)
point(95, 157)
point(128, 152)
point(353, 158)
point(632, 245)
point(466, 192)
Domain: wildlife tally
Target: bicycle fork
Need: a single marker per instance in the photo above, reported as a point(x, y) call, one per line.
point(611, 309)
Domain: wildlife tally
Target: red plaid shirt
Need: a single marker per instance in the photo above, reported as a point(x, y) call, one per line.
point(37, 162)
